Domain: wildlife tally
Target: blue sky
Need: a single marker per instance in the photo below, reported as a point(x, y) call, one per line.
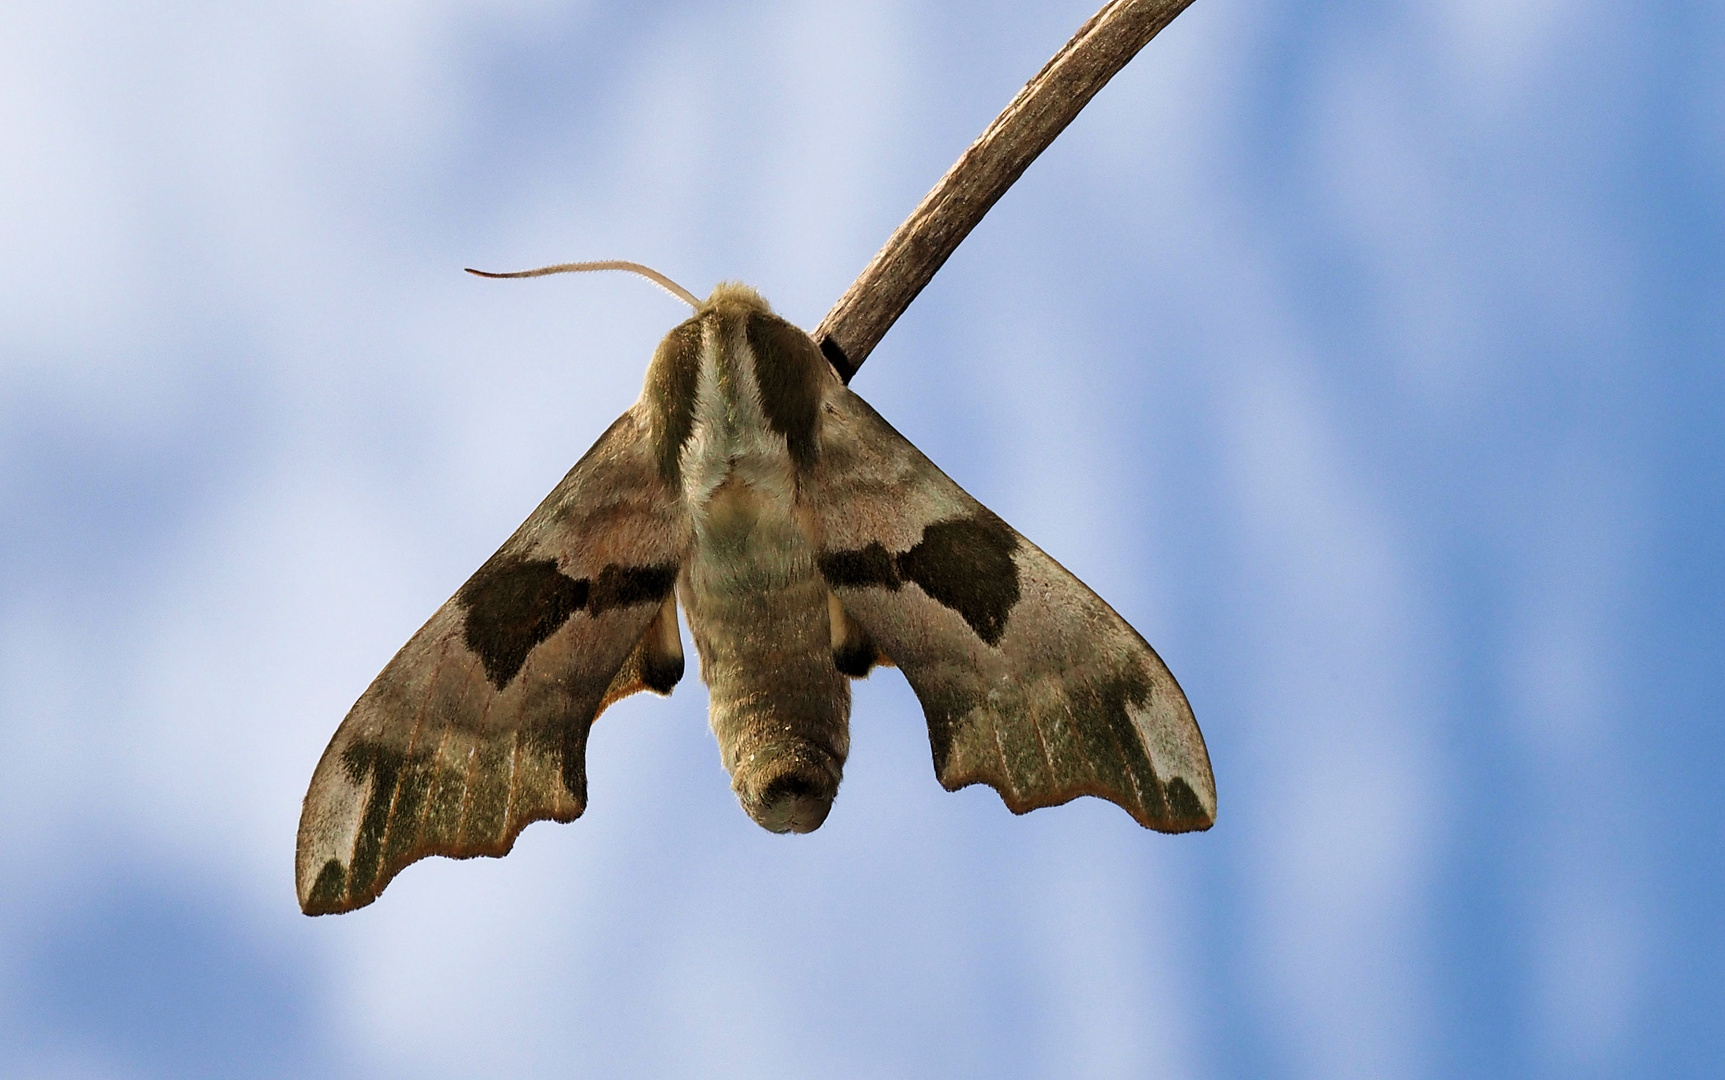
point(1367, 358)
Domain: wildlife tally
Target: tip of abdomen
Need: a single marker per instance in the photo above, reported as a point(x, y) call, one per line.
point(793, 804)
point(789, 793)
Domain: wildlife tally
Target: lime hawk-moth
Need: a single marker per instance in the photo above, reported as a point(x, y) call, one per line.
point(806, 542)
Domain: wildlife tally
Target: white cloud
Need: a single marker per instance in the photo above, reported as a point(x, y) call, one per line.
point(238, 230)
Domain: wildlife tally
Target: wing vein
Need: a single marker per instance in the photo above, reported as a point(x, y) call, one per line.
point(1042, 741)
point(1131, 773)
point(435, 761)
point(389, 822)
point(514, 775)
point(1079, 745)
point(473, 759)
point(1000, 750)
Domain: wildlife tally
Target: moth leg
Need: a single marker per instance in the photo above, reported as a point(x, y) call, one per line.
point(656, 662)
point(854, 651)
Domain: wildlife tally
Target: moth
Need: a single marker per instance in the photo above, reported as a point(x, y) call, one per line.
point(806, 542)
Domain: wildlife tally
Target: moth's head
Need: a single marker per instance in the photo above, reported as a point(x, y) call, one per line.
point(735, 297)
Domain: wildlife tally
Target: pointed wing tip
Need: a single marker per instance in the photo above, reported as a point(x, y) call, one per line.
point(1188, 810)
point(327, 893)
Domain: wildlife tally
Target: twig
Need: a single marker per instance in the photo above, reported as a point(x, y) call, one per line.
point(981, 176)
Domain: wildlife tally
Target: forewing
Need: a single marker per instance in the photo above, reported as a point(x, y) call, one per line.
point(1029, 681)
point(479, 724)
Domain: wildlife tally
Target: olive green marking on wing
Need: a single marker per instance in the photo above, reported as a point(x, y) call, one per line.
point(1102, 712)
point(329, 892)
point(514, 604)
point(376, 768)
point(1184, 806)
point(964, 564)
point(628, 586)
point(414, 779)
point(870, 566)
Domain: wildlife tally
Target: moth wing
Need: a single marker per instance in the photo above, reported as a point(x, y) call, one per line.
point(1030, 682)
point(479, 724)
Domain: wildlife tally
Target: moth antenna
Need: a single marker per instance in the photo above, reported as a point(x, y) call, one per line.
point(647, 272)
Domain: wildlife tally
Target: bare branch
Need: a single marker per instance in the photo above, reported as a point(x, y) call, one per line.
point(981, 176)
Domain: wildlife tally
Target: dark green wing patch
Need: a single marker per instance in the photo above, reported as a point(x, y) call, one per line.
point(964, 564)
point(514, 604)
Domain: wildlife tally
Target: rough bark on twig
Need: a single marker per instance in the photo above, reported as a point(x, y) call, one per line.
point(981, 176)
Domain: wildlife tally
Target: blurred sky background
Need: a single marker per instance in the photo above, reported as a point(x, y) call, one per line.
point(1366, 357)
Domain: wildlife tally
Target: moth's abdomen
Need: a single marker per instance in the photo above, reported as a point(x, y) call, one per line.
point(758, 612)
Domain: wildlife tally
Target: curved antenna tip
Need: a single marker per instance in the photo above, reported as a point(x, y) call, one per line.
point(647, 272)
